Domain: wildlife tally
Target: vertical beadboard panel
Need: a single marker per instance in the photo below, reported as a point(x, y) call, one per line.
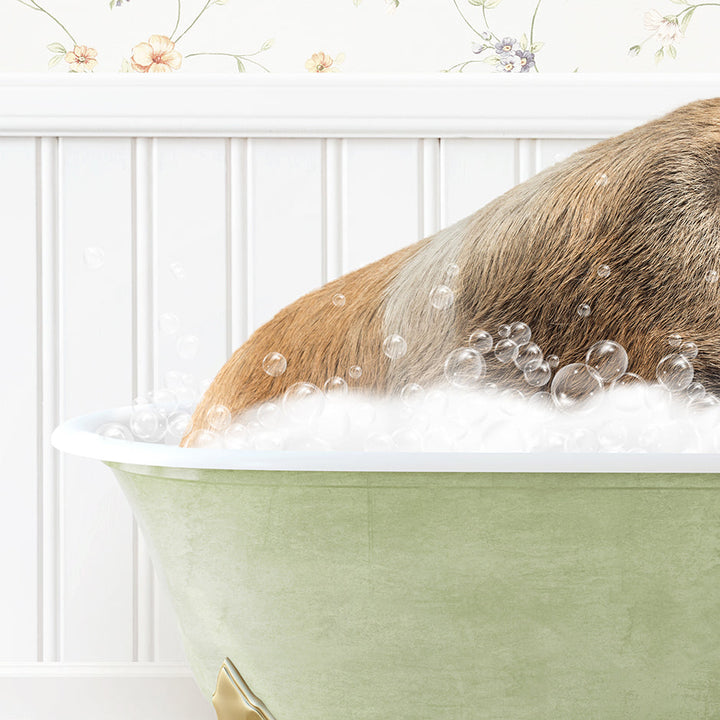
point(238, 242)
point(552, 150)
point(191, 281)
point(287, 223)
point(20, 434)
point(382, 211)
point(430, 186)
point(333, 197)
point(95, 251)
point(473, 172)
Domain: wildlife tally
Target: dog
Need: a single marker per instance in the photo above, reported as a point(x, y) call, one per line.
point(644, 206)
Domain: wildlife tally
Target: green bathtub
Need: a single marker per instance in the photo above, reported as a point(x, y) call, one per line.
point(367, 586)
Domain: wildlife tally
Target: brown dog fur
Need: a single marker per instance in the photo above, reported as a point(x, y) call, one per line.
point(646, 203)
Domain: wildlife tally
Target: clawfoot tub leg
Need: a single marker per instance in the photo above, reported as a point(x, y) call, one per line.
point(233, 699)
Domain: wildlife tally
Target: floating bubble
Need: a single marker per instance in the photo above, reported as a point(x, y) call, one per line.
point(553, 361)
point(186, 396)
point(169, 323)
point(204, 439)
point(529, 355)
point(695, 391)
point(628, 379)
point(451, 272)
point(274, 364)
point(465, 368)
point(338, 300)
point(407, 440)
point(237, 436)
point(675, 340)
point(177, 270)
point(267, 441)
point(394, 346)
point(607, 359)
point(303, 402)
point(481, 341)
point(537, 375)
point(178, 425)
point(335, 386)
point(115, 431)
point(689, 350)
point(574, 386)
point(218, 417)
point(442, 297)
point(173, 379)
point(94, 257)
point(584, 310)
point(504, 331)
point(146, 423)
point(675, 372)
point(581, 440)
point(603, 271)
point(187, 346)
point(379, 442)
point(520, 333)
point(269, 415)
point(165, 401)
point(711, 276)
point(612, 436)
point(633, 392)
point(506, 350)
point(355, 372)
point(412, 394)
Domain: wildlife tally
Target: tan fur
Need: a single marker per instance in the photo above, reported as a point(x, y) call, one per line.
point(531, 255)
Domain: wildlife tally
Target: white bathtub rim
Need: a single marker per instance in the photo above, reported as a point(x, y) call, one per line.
point(77, 436)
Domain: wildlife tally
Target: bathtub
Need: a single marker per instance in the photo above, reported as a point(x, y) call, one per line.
point(435, 586)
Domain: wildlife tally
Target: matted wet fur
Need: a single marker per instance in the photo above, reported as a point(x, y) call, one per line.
point(646, 203)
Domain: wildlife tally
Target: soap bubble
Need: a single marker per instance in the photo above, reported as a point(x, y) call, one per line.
point(675, 372)
point(169, 323)
point(94, 257)
point(504, 331)
point(407, 440)
point(574, 385)
point(178, 425)
point(520, 333)
point(165, 401)
point(442, 297)
point(711, 276)
point(451, 272)
point(177, 270)
point(553, 361)
point(379, 442)
point(584, 310)
point(581, 440)
point(537, 375)
point(355, 372)
point(338, 300)
point(303, 402)
point(335, 386)
point(204, 439)
point(529, 355)
point(695, 391)
point(187, 346)
point(269, 415)
point(675, 340)
point(601, 180)
point(603, 271)
point(218, 417)
point(186, 396)
point(628, 379)
point(506, 350)
point(412, 394)
point(394, 346)
point(689, 350)
point(481, 341)
point(173, 379)
point(146, 423)
point(267, 441)
point(115, 431)
point(274, 364)
point(632, 395)
point(237, 436)
point(612, 436)
point(607, 359)
point(465, 368)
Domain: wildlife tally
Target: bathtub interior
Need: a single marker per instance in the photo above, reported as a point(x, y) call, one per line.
point(416, 592)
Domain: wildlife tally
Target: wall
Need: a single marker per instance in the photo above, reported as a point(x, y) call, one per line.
point(119, 209)
point(352, 36)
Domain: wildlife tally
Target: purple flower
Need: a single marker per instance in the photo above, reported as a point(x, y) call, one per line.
point(506, 46)
point(508, 63)
point(478, 47)
point(527, 60)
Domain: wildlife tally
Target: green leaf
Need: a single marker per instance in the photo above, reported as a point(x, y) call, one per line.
point(686, 20)
point(125, 66)
point(492, 60)
point(268, 44)
point(54, 60)
point(659, 55)
point(673, 51)
point(477, 3)
point(537, 46)
point(56, 48)
point(524, 41)
point(680, 2)
point(240, 65)
point(634, 50)
point(490, 4)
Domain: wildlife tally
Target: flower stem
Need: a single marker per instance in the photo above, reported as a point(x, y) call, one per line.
point(462, 65)
point(197, 17)
point(36, 6)
point(467, 22)
point(177, 21)
point(532, 24)
point(237, 56)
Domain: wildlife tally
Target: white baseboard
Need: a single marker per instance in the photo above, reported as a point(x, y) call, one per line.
point(107, 691)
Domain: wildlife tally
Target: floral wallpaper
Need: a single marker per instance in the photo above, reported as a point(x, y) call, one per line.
point(330, 36)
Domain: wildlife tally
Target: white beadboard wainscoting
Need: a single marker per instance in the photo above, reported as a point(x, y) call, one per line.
point(219, 200)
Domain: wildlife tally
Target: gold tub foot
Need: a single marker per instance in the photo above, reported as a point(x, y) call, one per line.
point(233, 699)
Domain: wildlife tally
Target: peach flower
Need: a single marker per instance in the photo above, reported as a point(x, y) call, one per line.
point(81, 58)
point(158, 54)
point(322, 62)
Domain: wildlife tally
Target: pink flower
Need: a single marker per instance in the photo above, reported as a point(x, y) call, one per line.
point(666, 29)
point(81, 58)
point(322, 62)
point(158, 54)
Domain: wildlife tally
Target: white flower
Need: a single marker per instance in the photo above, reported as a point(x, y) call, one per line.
point(666, 29)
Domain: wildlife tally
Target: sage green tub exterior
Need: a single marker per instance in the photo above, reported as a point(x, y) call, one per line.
point(349, 595)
